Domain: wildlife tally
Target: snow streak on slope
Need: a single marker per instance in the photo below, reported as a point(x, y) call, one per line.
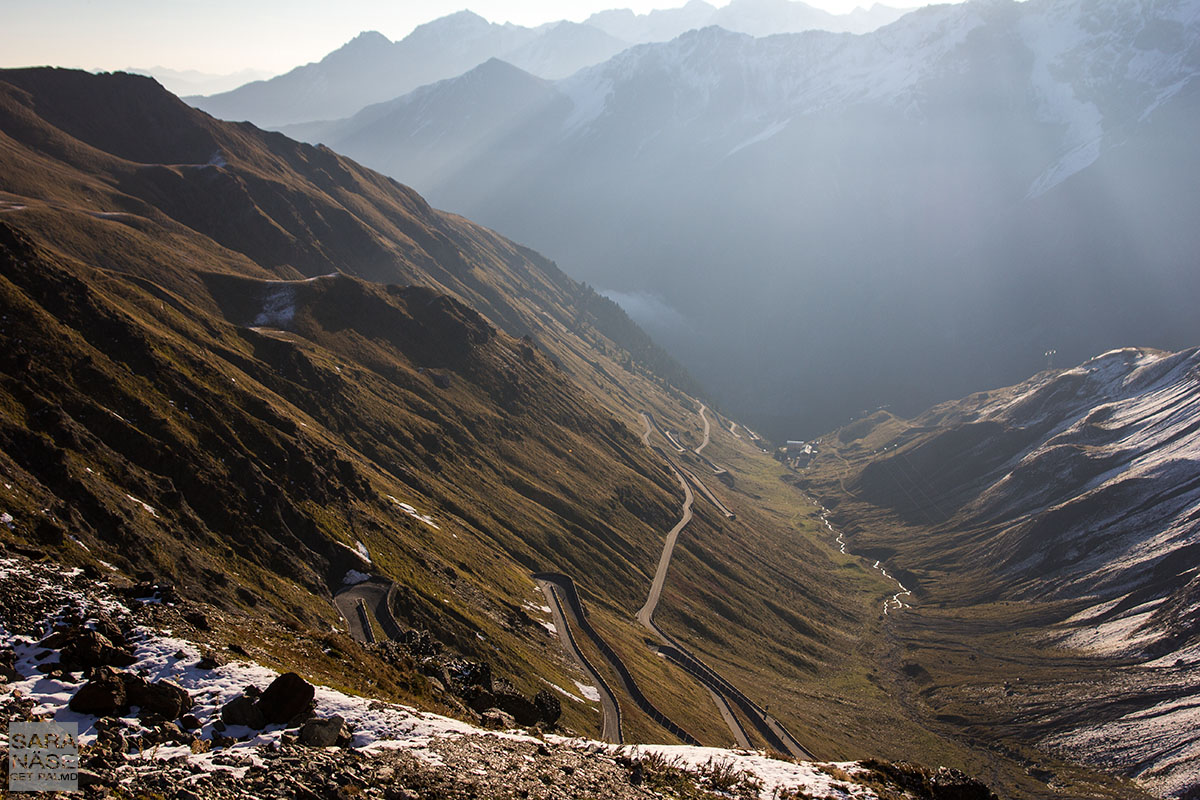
point(1078, 49)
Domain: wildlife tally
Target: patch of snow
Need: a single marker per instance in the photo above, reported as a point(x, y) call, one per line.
point(588, 691)
point(279, 307)
point(770, 131)
point(777, 776)
point(564, 692)
point(412, 512)
point(353, 576)
point(550, 627)
point(149, 508)
point(1151, 739)
point(1118, 635)
point(1091, 612)
point(362, 551)
point(1075, 160)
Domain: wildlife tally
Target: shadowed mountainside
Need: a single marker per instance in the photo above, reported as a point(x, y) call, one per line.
point(1062, 513)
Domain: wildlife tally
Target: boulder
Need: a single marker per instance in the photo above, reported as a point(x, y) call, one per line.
point(107, 626)
point(102, 696)
point(198, 620)
point(511, 703)
point(548, 707)
point(287, 696)
point(165, 698)
point(950, 784)
point(83, 647)
point(465, 674)
point(88, 779)
point(209, 661)
point(301, 718)
point(8, 665)
point(497, 719)
point(241, 710)
point(322, 732)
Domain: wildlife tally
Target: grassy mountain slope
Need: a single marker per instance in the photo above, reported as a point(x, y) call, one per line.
point(196, 316)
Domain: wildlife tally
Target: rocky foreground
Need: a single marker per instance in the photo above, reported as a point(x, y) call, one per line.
point(159, 718)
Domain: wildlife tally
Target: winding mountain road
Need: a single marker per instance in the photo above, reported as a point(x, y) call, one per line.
point(610, 710)
point(374, 595)
point(664, 433)
point(564, 587)
point(721, 690)
point(708, 495)
point(707, 430)
point(645, 615)
point(707, 437)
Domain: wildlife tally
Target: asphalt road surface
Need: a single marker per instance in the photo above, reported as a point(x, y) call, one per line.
point(721, 690)
point(374, 595)
point(610, 710)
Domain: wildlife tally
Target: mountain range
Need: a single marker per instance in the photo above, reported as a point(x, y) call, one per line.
point(372, 69)
point(964, 190)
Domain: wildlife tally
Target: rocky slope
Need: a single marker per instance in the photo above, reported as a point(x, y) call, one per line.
point(964, 189)
point(181, 402)
point(1077, 492)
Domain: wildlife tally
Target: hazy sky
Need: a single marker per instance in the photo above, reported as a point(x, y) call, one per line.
point(223, 36)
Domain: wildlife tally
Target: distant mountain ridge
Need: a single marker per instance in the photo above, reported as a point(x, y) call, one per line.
point(963, 189)
point(194, 82)
point(371, 69)
point(754, 17)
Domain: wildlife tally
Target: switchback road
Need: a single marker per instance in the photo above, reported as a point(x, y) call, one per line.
point(722, 690)
point(374, 594)
point(707, 430)
point(564, 590)
point(610, 710)
point(707, 437)
point(645, 615)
